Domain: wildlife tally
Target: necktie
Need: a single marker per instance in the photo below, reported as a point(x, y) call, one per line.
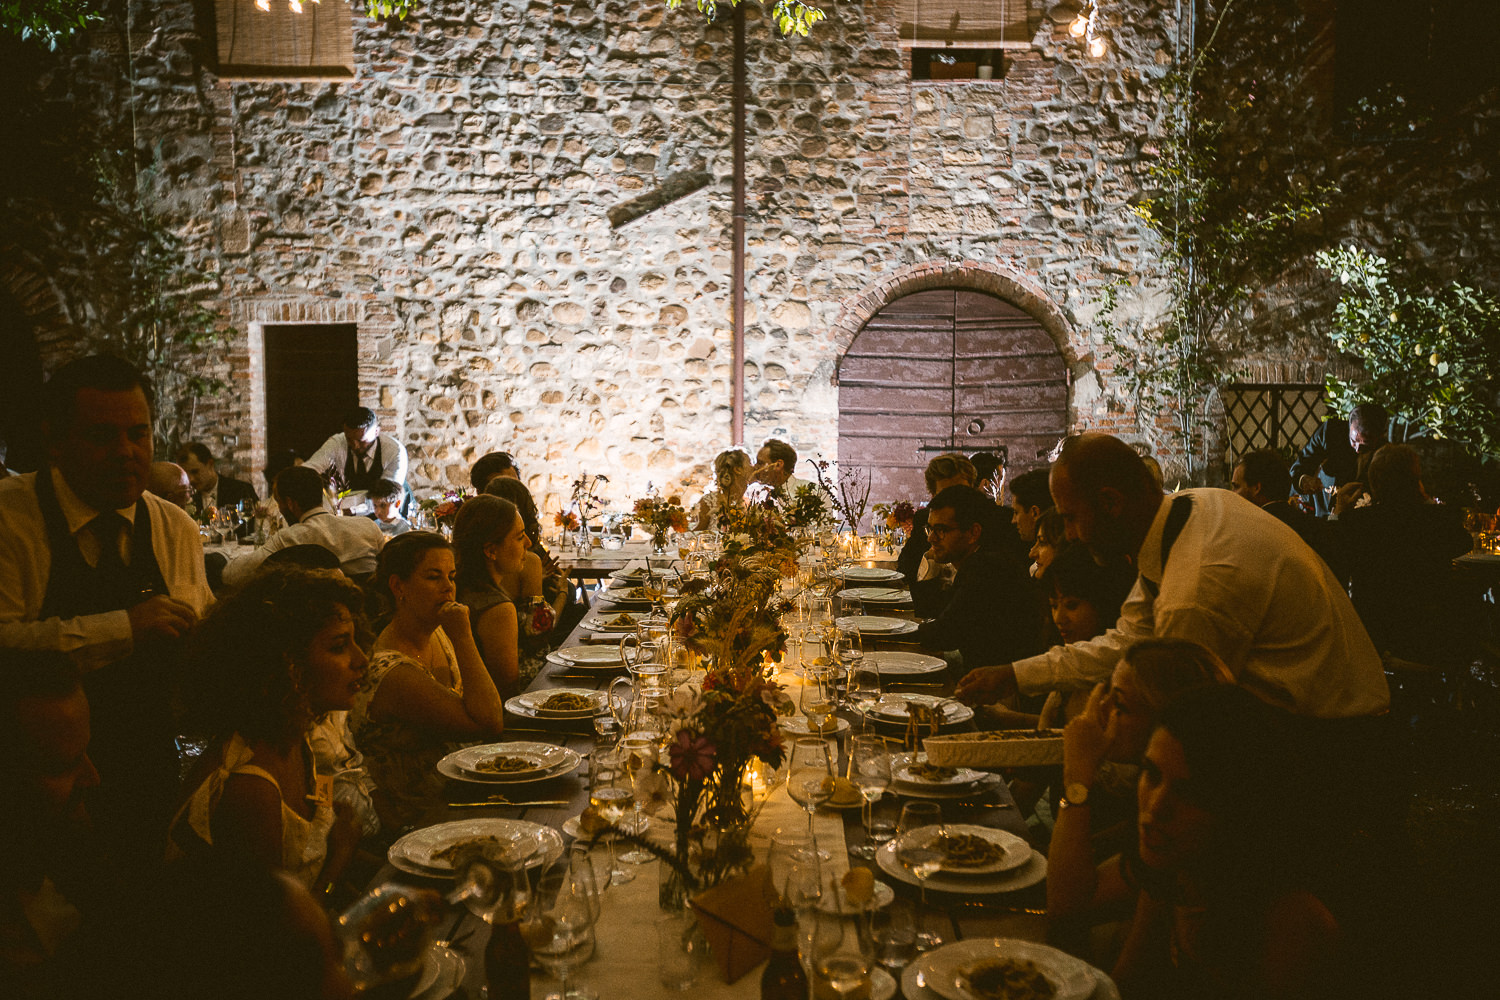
point(113, 573)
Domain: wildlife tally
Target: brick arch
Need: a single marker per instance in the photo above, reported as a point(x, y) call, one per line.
point(994, 279)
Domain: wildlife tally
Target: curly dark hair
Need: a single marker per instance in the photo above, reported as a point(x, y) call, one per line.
point(250, 653)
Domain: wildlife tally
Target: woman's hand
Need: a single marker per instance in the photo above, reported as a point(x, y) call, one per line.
point(454, 619)
point(1087, 738)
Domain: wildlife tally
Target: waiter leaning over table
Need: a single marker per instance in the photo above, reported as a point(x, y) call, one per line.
point(360, 454)
point(93, 566)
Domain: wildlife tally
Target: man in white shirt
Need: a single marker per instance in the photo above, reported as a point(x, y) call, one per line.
point(775, 464)
point(299, 493)
point(360, 455)
point(93, 566)
point(1214, 569)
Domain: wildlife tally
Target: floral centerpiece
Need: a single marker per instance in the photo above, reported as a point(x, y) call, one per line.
point(586, 503)
point(898, 517)
point(849, 494)
point(443, 508)
point(659, 515)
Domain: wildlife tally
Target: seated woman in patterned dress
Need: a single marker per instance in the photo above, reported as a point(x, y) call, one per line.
point(490, 543)
point(426, 684)
point(275, 656)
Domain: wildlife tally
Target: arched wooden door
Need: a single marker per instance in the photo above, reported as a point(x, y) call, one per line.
point(947, 370)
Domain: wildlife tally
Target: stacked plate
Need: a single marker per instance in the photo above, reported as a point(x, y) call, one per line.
point(911, 774)
point(875, 625)
point(896, 707)
point(979, 859)
point(878, 595)
point(900, 664)
point(558, 703)
point(605, 657)
point(959, 971)
point(631, 594)
point(869, 574)
point(509, 763)
point(432, 850)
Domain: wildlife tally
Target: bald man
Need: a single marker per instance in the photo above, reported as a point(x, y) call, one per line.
point(169, 481)
point(1213, 568)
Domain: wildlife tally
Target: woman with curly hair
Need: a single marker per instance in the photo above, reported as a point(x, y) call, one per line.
point(731, 479)
point(426, 685)
point(276, 655)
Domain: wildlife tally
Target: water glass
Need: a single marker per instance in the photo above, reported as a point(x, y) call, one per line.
point(870, 770)
point(894, 931)
point(681, 950)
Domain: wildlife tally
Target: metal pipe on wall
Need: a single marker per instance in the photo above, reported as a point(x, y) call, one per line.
point(738, 266)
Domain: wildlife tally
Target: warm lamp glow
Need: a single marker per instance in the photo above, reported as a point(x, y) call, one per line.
point(1098, 46)
point(264, 5)
point(295, 5)
point(1079, 26)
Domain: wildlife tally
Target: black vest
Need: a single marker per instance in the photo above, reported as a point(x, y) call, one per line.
point(366, 480)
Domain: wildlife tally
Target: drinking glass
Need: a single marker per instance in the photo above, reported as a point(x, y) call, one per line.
point(842, 951)
point(638, 751)
point(681, 950)
point(870, 770)
point(386, 933)
point(851, 607)
point(894, 930)
point(610, 793)
point(559, 923)
point(818, 700)
point(920, 825)
point(793, 870)
point(810, 775)
point(819, 609)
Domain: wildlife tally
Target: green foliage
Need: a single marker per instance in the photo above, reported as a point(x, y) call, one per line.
point(148, 299)
point(1433, 356)
point(1217, 240)
point(48, 22)
point(385, 10)
point(791, 16)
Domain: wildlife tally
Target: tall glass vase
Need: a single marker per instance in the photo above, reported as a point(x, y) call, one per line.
point(583, 541)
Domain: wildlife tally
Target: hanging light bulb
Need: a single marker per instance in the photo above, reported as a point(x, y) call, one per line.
point(1098, 46)
point(295, 6)
point(264, 5)
point(1080, 25)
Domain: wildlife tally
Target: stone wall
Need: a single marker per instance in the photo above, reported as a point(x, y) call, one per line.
point(452, 201)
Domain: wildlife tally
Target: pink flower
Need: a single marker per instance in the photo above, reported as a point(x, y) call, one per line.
point(692, 756)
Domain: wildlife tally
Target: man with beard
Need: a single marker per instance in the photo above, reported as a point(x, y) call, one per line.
point(45, 773)
point(1213, 569)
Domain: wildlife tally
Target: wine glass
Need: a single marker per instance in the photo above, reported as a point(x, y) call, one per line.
point(610, 793)
point(559, 923)
point(386, 933)
point(917, 831)
point(818, 700)
point(638, 752)
point(842, 951)
point(870, 770)
point(793, 870)
point(810, 775)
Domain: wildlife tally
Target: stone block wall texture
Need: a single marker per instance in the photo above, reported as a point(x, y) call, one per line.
point(451, 200)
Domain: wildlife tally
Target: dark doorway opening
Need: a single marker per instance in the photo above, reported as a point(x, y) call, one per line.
point(948, 370)
point(20, 388)
point(312, 380)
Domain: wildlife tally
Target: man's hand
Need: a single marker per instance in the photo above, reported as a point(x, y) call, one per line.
point(1346, 497)
point(160, 616)
point(984, 685)
point(1309, 484)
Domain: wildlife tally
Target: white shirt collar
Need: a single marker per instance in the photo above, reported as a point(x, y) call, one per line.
point(78, 513)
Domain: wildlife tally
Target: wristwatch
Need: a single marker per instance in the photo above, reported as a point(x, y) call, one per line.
point(1075, 793)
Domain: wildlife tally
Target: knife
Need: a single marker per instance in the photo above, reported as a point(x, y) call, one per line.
point(512, 805)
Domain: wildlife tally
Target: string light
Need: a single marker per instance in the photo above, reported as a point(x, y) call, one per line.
point(1085, 25)
point(295, 6)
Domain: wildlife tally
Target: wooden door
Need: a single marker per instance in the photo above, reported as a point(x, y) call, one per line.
point(312, 380)
point(947, 370)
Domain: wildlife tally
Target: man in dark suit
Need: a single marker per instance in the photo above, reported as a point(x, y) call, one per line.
point(209, 488)
point(1333, 454)
point(1261, 477)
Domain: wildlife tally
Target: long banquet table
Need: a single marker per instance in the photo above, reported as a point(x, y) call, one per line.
point(624, 964)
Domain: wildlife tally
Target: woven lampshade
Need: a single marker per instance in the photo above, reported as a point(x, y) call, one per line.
point(970, 24)
point(317, 42)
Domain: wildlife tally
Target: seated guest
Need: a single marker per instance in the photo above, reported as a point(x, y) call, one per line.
point(274, 657)
point(496, 463)
point(555, 592)
point(211, 490)
point(360, 456)
point(426, 684)
point(731, 478)
point(775, 470)
point(169, 481)
point(942, 472)
point(1051, 536)
point(1213, 569)
point(386, 498)
point(989, 474)
point(992, 611)
point(1102, 749)
point(1220, 878)
point(489, 545)
point(45, 777)
point(299, 494)
point(1029, 497)
point(1399, 553)
point(1262, 477)
point(307, 555)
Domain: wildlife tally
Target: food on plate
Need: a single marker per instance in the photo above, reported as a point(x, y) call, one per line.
point(620, 621)
point(567, 701)
point(859, 885)
point(1008, 979)
point(967, 850)
point(1003, 748)
point(503, 764)
point(448, 855)
point(590, 822)
point(931, 772)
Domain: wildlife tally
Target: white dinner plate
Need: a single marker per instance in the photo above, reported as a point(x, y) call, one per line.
point(835, 902)
point(980, 787)
point(876, 625)
point(442, 972)
point(621, 622)
point(797, 726)
point(536, 701)
point(460, 765)
point(894, 663)
point(944, 968)
point(878, 595)
point(519, 705)
point(1027, 875)
point(893, 707)
point(1014, 852)
point(914, 985)
point(417, 852)
point(870, 574)
point(590, 656)
point(630, 823)
point(901, 770)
